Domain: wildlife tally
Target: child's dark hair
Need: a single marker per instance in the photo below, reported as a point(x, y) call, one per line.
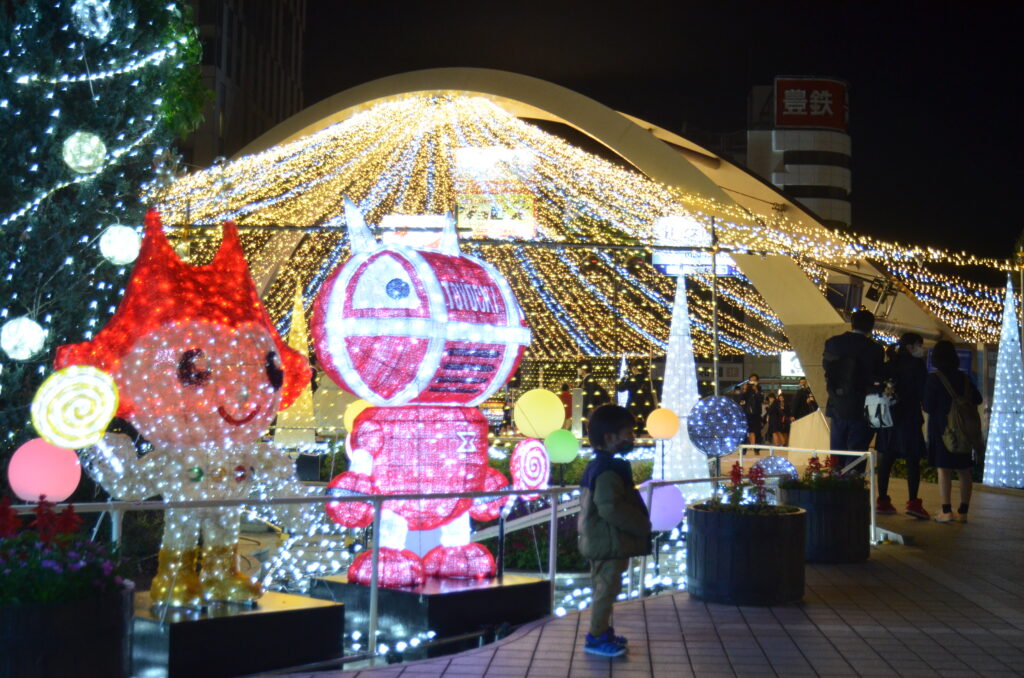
point(607, 419)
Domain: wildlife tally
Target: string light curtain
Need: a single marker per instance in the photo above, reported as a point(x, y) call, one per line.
point(437, 153)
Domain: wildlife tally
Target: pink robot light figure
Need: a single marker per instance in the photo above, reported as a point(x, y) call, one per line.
point(425, 335)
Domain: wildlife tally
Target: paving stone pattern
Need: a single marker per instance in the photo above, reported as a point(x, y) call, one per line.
point(951, 604)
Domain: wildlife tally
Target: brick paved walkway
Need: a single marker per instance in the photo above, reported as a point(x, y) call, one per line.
point(950, 604)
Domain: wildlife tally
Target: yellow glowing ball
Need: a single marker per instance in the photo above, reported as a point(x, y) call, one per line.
point(353, 411)
point(73, 407)
point(662, 424)
point(538, 412)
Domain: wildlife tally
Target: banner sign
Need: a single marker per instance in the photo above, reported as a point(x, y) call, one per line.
point(811, 102)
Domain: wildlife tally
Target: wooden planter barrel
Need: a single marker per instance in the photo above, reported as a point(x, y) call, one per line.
point(82, 638)
point(745, 559)
point(838, 523)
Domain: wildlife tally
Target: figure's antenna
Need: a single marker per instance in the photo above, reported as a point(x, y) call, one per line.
point(359, 236)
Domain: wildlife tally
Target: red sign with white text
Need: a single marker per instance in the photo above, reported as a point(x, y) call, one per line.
point(811, 102)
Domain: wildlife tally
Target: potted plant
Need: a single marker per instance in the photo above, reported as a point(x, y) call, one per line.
point(743, 550)
point(838, 512)
point(65, 610)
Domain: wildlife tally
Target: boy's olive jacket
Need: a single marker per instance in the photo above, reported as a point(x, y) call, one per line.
point(613, 520)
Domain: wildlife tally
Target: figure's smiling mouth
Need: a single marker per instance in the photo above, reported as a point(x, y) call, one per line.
point(237, 421)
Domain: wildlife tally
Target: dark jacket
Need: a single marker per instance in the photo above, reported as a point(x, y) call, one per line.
point(752, 401)
point(800, 405)
point(777, 416)
point(853, 365)
point(908, 375)
point(613, 520)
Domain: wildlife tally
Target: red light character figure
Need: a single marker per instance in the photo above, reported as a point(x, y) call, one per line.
point(425, 335)
point(201, 373)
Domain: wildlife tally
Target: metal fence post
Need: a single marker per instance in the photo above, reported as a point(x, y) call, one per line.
point(116, 520)
point(643, 560)
point(374, 576)
point(553, 546)
point(871, 497)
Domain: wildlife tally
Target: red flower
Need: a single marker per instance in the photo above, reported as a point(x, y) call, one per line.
point(736, 474)
point(45, 521)
point(68, 521)
point(814, 465)
point(756, 476)
point(10, 523)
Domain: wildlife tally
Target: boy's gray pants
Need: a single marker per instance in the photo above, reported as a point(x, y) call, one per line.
point(606, 580)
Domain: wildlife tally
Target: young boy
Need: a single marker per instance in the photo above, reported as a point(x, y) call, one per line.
point(613, 522)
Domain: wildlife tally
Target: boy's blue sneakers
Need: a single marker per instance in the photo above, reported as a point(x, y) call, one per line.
point(605, 645)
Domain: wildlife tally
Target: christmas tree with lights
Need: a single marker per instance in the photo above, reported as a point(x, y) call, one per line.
point(1004, 462)
point(681, 459)
point(92, 95)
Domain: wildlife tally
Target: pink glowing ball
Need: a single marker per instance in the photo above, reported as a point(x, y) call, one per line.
point(39, 468)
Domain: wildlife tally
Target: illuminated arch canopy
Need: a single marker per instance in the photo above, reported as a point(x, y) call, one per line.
point(461, 141)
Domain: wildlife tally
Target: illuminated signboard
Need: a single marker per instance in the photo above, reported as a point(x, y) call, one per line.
point(497, 215)
point(419, 231)
point(811, 102)
point(790, 365)
point(491, 199)
point(681, 231)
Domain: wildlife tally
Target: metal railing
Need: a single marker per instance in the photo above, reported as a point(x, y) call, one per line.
point(378, 501)
point(859, 457)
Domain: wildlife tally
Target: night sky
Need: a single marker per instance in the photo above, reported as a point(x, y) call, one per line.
point(935, 87)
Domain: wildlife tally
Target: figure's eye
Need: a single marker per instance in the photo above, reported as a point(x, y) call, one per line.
point(274, 372)
point(385, 284)
point(188, 372)
point(397, 288)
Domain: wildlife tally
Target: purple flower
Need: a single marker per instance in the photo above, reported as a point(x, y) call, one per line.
point(76, 566)
point(107, 568)
point(52, 565)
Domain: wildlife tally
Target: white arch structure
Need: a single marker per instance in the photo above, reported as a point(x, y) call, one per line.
point(661, 155)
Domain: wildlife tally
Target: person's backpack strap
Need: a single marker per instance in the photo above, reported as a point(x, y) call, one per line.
point(947, 385)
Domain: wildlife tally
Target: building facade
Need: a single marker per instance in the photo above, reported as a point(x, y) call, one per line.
point(252, 62)
point(797, 140)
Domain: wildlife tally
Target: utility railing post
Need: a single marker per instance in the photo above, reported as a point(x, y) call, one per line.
point(116, 520)
point(643, 560)
point(374, 578)
point(553, 546)
point(871, 496)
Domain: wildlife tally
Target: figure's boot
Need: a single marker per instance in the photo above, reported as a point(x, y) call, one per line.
point(176, 583)
point(469, 561)
point(396, 568)
point(457, 557)
point(221, 579)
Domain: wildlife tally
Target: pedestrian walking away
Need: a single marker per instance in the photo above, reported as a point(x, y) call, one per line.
point(853, 364)
point(943, 389)
point(906, 372)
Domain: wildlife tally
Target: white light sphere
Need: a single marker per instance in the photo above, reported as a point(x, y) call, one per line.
point(84, 152)
point(92, 18)
point(775, 465)
point(120, 245)
point(22, 338)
